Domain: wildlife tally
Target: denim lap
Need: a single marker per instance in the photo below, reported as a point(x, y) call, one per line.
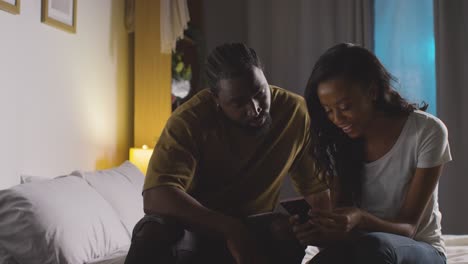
point(381, 248)
point(378, 247)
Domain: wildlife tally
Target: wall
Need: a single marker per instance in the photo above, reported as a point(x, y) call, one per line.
point(66, 99)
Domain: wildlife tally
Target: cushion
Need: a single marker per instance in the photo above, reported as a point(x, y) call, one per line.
point(6, 258)
point(61, 220)
point(121, 187)
point(25, 178)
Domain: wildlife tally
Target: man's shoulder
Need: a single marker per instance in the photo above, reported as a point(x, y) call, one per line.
point(197, 102)
point(287, 100)
point(283, 94)
point(197, 108)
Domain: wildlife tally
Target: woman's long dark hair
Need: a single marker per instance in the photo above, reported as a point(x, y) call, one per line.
point(337, 154)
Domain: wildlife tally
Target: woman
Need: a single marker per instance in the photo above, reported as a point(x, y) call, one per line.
point(382, 158)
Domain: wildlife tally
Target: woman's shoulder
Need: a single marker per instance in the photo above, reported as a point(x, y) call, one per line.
point(426, 119)
point(427, 124)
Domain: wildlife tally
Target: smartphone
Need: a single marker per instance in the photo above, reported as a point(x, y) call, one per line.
point(297, 206)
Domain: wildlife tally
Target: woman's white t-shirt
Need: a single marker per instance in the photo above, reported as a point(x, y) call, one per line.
point(423, 143)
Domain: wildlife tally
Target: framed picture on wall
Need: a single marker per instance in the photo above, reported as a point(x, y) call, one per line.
point(12, 6)
point(60, 14)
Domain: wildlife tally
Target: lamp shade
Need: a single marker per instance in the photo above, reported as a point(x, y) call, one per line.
point(140, 157)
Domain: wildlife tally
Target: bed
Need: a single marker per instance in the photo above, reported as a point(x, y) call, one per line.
point(80, 218)
point(87, 218)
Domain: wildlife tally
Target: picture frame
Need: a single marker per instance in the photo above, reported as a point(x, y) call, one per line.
point(60, 14)
point(11, 6)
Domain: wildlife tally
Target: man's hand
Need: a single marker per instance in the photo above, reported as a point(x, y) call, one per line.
point(307, 233)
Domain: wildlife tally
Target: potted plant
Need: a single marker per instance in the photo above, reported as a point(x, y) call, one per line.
point(181, 76)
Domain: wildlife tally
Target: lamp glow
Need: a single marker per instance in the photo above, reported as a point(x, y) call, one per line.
point(140, 157)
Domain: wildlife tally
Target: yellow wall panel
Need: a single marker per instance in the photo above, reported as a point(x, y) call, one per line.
point(152, 75)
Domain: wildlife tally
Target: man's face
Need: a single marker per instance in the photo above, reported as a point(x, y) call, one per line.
point(246, 99)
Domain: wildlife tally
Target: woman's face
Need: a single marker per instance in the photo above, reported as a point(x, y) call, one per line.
point(347, 105)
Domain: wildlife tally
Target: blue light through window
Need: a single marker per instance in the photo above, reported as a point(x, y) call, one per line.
point(404, 42)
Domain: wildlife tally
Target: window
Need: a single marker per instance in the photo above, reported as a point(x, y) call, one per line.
point(404, 42)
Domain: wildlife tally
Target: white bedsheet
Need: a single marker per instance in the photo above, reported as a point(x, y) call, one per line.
point(456, 246)
point(117, 257)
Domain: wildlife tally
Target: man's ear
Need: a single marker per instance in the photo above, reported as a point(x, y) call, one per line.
point(215, 96)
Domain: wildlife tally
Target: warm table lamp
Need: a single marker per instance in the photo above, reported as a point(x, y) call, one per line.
point(140, 157)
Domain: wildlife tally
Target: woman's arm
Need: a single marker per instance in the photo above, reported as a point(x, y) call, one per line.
point(320, 201)
point(406, 223)
point(417, 197)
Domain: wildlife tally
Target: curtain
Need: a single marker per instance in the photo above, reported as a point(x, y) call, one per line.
point(174, 20)
point(451, 38)
point(289, 36)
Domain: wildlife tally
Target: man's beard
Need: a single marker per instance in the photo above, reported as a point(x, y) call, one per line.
point(262, 130)
point(251, 130)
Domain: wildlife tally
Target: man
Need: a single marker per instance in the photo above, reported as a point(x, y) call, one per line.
point(221, 158)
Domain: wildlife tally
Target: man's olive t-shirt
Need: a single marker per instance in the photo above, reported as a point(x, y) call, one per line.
point(227, 168)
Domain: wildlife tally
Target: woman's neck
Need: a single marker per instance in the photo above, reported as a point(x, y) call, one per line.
point(382, 133)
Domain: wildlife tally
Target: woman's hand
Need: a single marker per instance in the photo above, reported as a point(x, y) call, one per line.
point(342, 219)
point(325, 227)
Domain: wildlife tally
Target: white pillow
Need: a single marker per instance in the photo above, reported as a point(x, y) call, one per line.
point(28, 178)
point(25, 178)
point(61, 220)
point(121, 187)
point(6, 258)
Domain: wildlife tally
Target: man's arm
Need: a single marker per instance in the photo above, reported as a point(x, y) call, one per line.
point(174, 203)
point(169, 201)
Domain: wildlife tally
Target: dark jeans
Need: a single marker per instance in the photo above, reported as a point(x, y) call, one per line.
point(156, 240)
point(380, 248)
